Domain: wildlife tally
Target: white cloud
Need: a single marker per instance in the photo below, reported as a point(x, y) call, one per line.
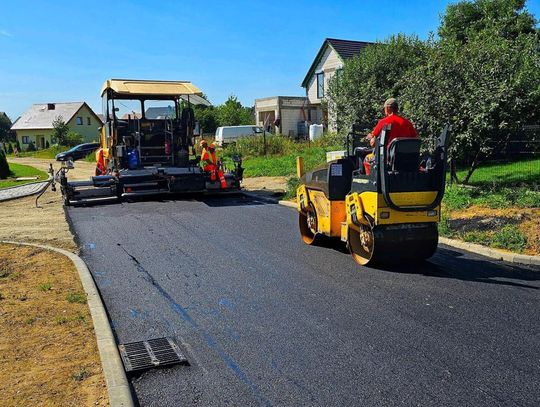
point(5, 33)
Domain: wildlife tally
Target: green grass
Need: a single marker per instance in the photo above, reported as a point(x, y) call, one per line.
point(45, 287)
point(509, 237)
point(19, 170)
point(505, 174)
point(76, 298)
point(44, 153)
point(458, 197)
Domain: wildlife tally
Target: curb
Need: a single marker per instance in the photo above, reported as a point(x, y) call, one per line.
point(492, 253)
point(113, 369)
point(45, 185)
point(469, 247)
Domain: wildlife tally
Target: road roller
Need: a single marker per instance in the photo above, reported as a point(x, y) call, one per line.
point(385, 208)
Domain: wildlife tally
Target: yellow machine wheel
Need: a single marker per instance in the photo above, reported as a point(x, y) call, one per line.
point(308, 225)
point(361, 244)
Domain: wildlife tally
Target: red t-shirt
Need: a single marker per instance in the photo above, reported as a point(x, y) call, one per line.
point(401, 127)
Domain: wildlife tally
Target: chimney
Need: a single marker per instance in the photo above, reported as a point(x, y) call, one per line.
point(50, 106)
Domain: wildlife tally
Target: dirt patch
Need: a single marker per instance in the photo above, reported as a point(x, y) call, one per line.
point(49, 355)
point(83, 170)
point(20, 220)
point(484, 219)
point(271, 186)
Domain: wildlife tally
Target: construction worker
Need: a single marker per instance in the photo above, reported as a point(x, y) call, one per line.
point(401, 127)
point(210, 164)
point(100, 163)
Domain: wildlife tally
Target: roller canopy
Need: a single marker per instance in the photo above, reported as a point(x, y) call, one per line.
point(129, 89)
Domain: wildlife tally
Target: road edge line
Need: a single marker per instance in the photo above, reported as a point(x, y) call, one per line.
point(115, 377)
point(470, 247)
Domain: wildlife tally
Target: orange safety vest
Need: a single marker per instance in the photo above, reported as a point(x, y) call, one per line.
point(207, 156)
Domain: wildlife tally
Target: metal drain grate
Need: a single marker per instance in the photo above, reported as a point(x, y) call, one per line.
point(151, 353)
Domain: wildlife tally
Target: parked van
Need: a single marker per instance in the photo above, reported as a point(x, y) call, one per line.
point(228, 134)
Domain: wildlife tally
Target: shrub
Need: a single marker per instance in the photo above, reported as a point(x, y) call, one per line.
point(72, 139)
point(10, 148)
point(254, 146)
point(4, 166)
point(18, 145)
point(292, 186)
point(47, 145)
point(31, 147)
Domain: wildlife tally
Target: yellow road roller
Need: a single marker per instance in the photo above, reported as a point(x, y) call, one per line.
point(386, 212)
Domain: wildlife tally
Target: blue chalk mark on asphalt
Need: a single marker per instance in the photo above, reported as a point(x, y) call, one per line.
point(134, 313)
point(224, 302)
point(90, 245)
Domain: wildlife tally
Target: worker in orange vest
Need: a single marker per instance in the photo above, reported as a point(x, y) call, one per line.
point(210, 164)
point(100, 163)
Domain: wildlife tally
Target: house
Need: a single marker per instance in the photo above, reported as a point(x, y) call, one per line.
point(285, 115)
point(161, 112)
point(36, 124)
point(329, 60)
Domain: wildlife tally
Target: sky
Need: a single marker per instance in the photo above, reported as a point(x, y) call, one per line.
point(63, 51)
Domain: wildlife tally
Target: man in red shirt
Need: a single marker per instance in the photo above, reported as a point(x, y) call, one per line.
point(401, 127)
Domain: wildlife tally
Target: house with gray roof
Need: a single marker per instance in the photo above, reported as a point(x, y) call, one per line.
point(328, 61)
point(36, 124)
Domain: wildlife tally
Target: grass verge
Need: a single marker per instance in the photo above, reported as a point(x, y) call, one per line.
point(49, 354)
point(19, 171)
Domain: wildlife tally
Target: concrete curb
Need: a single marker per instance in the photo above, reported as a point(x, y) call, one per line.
point(491, 253)
point(113, 369)
point(470, 247)
point(45, 185)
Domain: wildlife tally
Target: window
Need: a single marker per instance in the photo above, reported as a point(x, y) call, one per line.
point(320, 85)
point(88, 121)
point(26, 140)
point(79, 120)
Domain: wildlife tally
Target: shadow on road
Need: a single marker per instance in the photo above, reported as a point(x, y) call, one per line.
point(447, 263)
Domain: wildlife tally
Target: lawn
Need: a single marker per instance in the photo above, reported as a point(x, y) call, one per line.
point(505, 174)
point(19, 170)
point(44, 153)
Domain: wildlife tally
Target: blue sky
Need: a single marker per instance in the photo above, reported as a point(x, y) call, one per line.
point(53, 51)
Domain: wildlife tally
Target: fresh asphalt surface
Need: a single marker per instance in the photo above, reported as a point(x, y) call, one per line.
point(266, 320)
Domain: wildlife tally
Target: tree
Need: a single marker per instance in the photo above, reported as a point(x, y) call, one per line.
point(4, 166)
point(207, 118)
point(60, 131)
point(507, 18)
point(31, 147)
point(357, 93)
point(47, 145)
point(5, 126)
point(18, 145)
point(10, 148)
point(232, 113)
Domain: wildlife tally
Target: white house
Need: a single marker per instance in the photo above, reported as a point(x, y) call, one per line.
point(327, 63)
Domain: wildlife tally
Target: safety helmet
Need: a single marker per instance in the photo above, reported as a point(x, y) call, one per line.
point(212, 146)
point(203, 143)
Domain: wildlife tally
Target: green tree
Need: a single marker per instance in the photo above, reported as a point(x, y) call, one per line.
point(207, 118)
point(31, 146)
point(357, 93)
point(5, 126)
point(10, 148)
point(232, 113)
point(18, 145)
point(4, 166)
point(506, 18)
point(60, 131)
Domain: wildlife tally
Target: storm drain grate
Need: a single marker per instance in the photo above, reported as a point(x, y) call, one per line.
point(151, 353)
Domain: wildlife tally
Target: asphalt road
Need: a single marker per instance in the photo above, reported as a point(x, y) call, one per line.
point(266, 320)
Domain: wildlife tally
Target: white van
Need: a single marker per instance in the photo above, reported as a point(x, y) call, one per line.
point(228, 134)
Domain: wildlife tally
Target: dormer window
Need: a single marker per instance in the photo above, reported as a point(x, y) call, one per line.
point(320, 85)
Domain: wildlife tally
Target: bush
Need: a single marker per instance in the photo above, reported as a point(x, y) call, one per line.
point(31, 147)
point(18, 145)
point(4, 166)
point(292, 185)
point(254, 146)
point(47, 145)
point(10, 148)
point(72, 139)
